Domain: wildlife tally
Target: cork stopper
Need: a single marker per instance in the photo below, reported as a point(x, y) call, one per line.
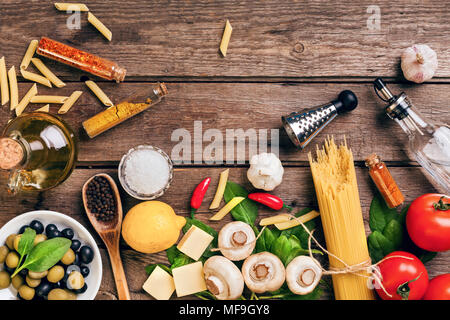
point(372, 160)
point(162, 89)
point(11, 153)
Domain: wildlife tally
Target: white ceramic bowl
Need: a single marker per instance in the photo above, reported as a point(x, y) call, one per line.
point(62, 221)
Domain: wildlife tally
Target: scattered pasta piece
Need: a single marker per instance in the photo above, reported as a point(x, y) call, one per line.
point(227, 208)
point(100, 26)
point(70, 102)
point(48, 99)
point(36, 78)
point(295, 222)
point(26, 100)
point(226, 38)
point(4, 81)
point(29, 54)
point(220, 189)
point(45, 108)
point(283, 217)
point(71, 6)
point(47, 73)
point(13, 88)
point(99, 93)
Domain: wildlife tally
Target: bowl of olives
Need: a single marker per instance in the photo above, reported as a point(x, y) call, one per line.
point(46, 255)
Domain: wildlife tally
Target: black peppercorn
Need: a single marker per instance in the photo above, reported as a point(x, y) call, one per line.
point(100, 199)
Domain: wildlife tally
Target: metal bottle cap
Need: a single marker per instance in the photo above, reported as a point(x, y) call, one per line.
point(398, 106)
point(303, 126)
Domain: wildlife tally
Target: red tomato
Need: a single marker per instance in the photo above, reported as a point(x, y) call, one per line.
point(438, 288)
point(403, 276)
point(428, 222)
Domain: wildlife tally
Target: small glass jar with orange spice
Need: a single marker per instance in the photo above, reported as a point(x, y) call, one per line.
point(384, 181)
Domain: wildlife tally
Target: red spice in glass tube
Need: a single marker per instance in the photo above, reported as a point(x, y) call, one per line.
point(80, 59)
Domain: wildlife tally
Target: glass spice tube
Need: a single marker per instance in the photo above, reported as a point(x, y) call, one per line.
point(118, 113)
point(384, 181)
point(85, 61)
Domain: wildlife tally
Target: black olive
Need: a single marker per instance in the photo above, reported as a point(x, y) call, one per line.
point(86, 254)
point(8, 269)
point(84, 271)
point(54, 234)
point(68, 233)
point(77, 259)
point(76, 244)
point(37, 226)
point(49, 228)
point(82, 290)
point(23, 273)
point(22, 229)
point(43, 289)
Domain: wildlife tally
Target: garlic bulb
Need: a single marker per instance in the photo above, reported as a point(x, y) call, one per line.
point(419, 62)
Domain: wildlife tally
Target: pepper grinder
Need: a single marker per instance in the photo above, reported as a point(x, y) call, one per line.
point(303, 126)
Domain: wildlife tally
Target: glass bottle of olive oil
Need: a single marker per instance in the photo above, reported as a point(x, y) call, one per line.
point(39, 150)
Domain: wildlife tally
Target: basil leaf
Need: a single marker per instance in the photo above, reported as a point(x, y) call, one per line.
point(171, 253)
point(150, 268)
point(247, 210)
point(380, 214)
point(26, 241)
point(281, 248)
point(299, 231)
point(46, 254)
point(180, 260)
point(194, 222)
point(265, 241)
point(394, 232)
point(379, 246)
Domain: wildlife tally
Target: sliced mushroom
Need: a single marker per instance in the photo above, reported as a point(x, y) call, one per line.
point(263, 272)
point(303, 274)
point(237, 240)
point(223, 279)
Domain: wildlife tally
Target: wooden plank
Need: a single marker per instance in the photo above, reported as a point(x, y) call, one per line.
point(271, 38)
point(244, 106)
point(297, 190)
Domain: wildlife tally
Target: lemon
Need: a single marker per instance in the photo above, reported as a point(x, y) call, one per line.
point(151, 226)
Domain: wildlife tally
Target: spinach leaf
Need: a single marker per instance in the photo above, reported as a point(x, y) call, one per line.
point(171, 253)
point(180, 260)
point(247, 210)
point(45, 255)
point(26, 241)
point(379, 246)
point(265, 241)
point(380, 214)
point(281, 247)
point(299, 231)
point(149, 269)
point(394, 232)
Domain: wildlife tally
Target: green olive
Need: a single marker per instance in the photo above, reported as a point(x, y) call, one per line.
point(3, 253)
point(37, 275)
point(10, 241)
point(55, 274)
point(26, 292)
point(16, 242)
point(58, 294)
point(39, 238)
point(5, 279)
point(71, 295)
point(33, 283)
point(75, 280)
point(17, 282)
point(69, 257)
point(12, 260)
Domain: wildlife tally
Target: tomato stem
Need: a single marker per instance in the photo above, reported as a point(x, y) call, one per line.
point(441, 205)
point(403, 290)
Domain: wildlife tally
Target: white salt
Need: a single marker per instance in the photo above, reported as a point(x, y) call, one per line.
point(146, 171)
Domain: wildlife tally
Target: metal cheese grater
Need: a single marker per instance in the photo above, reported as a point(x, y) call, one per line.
point(303, 126)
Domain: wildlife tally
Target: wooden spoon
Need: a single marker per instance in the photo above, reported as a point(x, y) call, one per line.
point(109, 231)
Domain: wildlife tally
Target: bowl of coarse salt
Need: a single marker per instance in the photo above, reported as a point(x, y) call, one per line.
point(145, 172)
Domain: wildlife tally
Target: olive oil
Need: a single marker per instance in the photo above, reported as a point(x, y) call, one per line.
point(40, 150)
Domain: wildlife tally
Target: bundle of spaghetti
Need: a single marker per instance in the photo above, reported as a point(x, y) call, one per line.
point(340, 210)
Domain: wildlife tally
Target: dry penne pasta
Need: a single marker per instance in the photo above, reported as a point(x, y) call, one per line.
point(47, 73)
point(13, 88)
point(99, 93)
point(220, 189)
point(26, 99)
point(225, 38)
point(69, 102)
point(4, 81)
point(36, 78)
point(29, 54)
point(49, 99)
point(100, 26)
point(45, 108)
point(71, 6)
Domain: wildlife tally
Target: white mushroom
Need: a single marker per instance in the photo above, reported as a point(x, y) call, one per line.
point(223, 279)
point(303, 274)
point(263, 272)
point(236, 240)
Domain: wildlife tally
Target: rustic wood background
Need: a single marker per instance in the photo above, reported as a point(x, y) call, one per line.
point(283, 56)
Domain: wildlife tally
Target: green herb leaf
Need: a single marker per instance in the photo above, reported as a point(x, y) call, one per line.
point(150, 268)
point(299, 231)
point(281, 248)
point(380, 214)
point(247, 210)
point(265, 241)
point(26, 241)
point(190, 222)
point(379, 246)
point(394, 232)
point(181, 260)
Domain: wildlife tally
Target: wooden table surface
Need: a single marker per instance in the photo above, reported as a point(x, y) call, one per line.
point(283, 56)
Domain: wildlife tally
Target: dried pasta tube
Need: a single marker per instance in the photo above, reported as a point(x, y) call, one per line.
point(226, 38)
point(29, 54)
point(48, 99)
point(45, 108)
point(4, 81)
point(26, 99)
point(13, 88)
point(47, 73)
point(99, 93)
point(70, 102)
point(71, 6)
point(36, 78)
point(100, 26)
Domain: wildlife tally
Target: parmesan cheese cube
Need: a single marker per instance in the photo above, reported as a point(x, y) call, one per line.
point(189, 279)
point(195, 242)
point(160, 284)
